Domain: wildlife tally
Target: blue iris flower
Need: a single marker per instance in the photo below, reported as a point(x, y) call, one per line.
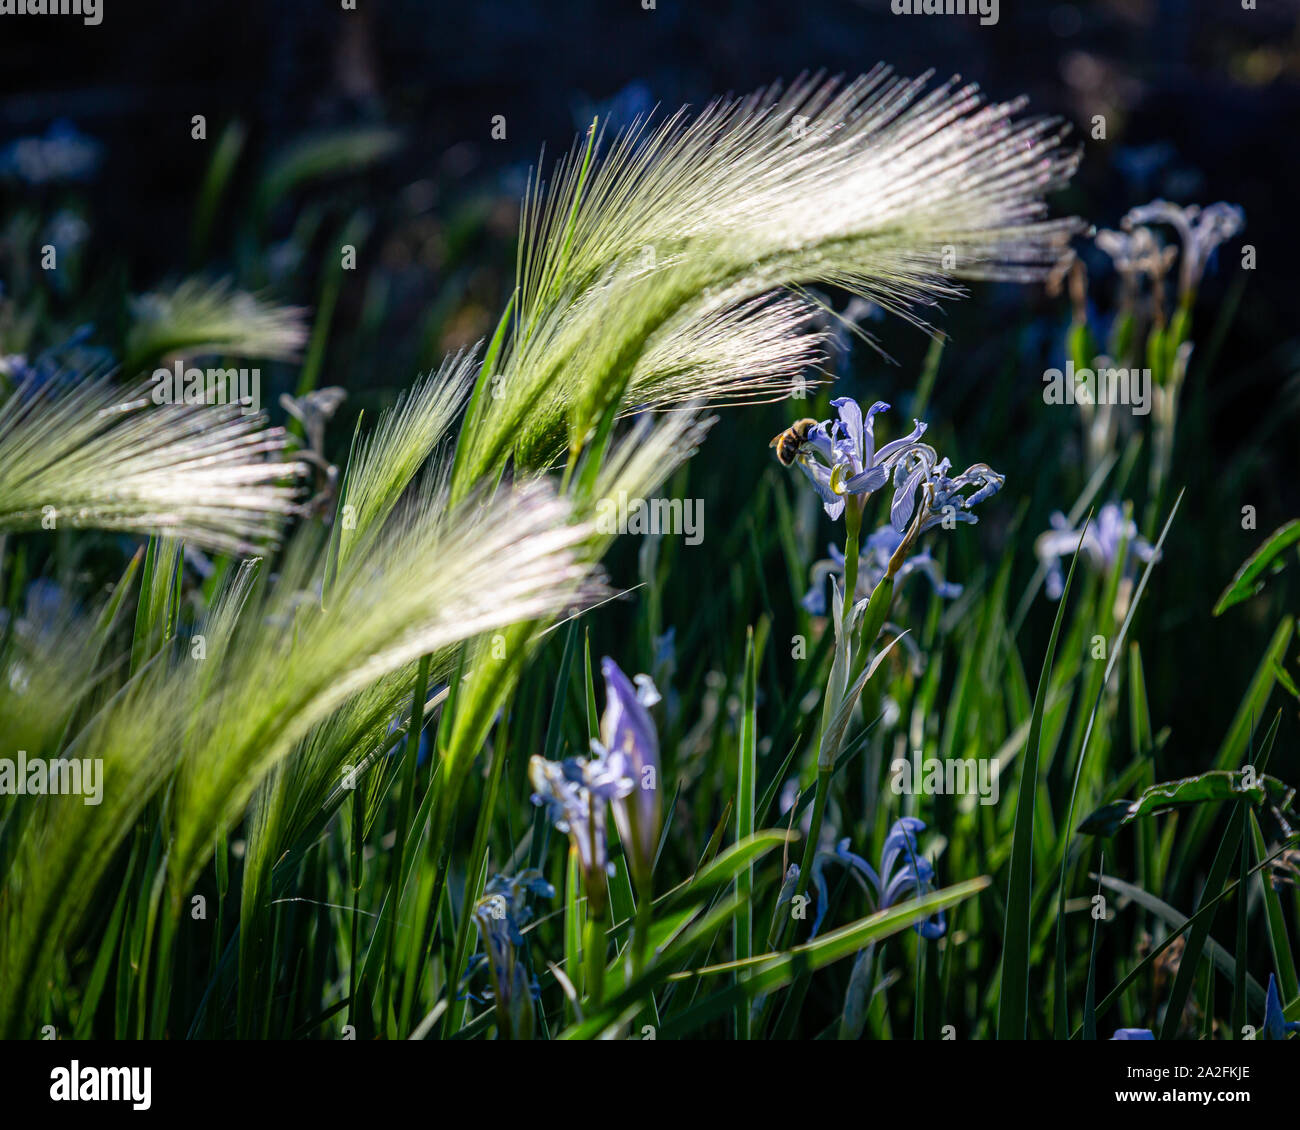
point(624, 764)
point(904, 872)
point(61, 365)
point(63, 154)
point(840, 456)
point(575, 793)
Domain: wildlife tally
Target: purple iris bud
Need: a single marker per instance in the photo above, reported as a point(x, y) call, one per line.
point(1276, 1025)
point(574, 793)
point(630, 745)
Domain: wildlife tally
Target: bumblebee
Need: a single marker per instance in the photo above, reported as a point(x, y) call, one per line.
point(787, 444)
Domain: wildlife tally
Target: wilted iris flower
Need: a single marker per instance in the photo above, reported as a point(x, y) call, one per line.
point(904, 871)
point(926, 495)
point(574, 792)
point(1136, 253)
point(1201, 230)
point(625, 761)
point(1101, 544)
point(877, 550)
point(500, 916)
point(630, 747)
point(1276, 1025)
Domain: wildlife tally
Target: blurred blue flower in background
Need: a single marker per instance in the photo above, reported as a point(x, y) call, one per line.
point(62, 154)
point(1101, 544)
point(631, 103)
point(873, 562)
point(500, 916)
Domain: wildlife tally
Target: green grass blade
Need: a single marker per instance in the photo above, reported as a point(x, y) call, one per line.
point(746, 770)
point(1013, 997)
point(1278, 939)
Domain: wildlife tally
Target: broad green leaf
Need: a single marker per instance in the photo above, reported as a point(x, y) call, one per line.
point(1204, 788)
point(1247, 580)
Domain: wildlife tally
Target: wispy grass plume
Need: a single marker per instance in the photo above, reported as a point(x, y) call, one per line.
point(199, 317)
point(272, 665)
point(639, 260)
point(104, 458)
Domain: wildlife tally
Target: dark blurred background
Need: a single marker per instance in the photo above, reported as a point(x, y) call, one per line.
point(1200, 96)
point(1200, 100)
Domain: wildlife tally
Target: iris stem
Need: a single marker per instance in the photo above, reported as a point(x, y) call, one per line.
point(852, 535)
point(594, 946)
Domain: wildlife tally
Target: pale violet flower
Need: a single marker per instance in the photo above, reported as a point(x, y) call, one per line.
point(1101, 544)
point(1133, 1034)
point(574, 793)
point(840, 456)
point(624, 764)
point(1136, 253)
